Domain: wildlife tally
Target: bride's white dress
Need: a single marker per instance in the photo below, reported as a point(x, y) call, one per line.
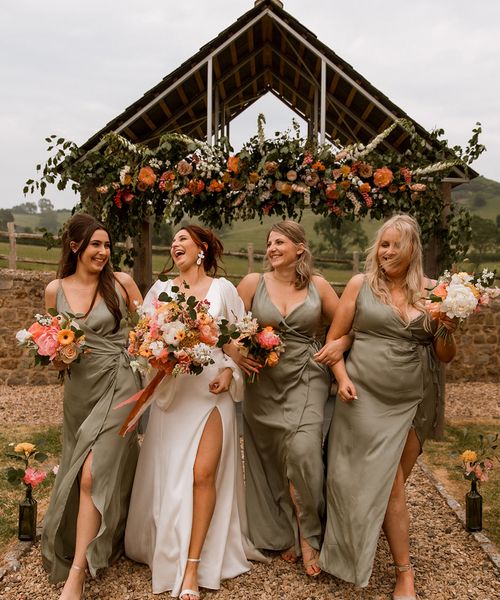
point(159, 523)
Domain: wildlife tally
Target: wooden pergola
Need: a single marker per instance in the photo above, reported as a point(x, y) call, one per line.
point(266, 51)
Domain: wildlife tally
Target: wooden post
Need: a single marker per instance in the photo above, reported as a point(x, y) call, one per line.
point(12, 245)
point(143, 264)
point(251, 267)
point(355, 262)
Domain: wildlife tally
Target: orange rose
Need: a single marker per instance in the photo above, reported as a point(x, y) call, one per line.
point(383, 177)
point(146, 177)
point(195, 186)
point(68, 353)
point(272, 359)
point(331, 192)
point(364, 188)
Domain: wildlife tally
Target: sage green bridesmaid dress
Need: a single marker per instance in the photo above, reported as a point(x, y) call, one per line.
point(283, 419)
point(101, 379)
point(397, 379)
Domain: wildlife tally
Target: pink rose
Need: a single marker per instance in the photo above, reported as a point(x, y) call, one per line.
point(33, 477)
point(47, 343)
point(36, 330)
point(208, 335)
point(267, 338)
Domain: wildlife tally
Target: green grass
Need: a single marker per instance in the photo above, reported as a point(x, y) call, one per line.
point(444, 458)
point(46, 439)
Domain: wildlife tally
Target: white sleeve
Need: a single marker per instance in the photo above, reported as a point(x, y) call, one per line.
point(154, 291)
point(233, 310)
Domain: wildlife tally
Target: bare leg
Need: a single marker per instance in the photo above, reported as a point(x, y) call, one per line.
point(309, 554)
point(88, 522)
point(396, 523)
point(204, 495)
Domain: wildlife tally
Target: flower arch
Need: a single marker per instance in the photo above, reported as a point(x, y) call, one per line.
point(124, 184)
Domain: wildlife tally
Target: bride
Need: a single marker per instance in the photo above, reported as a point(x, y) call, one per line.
point(187, 517)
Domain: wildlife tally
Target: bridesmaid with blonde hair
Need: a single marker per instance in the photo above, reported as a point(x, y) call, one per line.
point(388, 394)
point(284, 408)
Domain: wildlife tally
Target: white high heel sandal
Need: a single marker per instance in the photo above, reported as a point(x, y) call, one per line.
point(403, 569)
point(187, 591)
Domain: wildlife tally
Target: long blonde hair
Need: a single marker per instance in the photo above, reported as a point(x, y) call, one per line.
point(304, 265)
point(410, 248)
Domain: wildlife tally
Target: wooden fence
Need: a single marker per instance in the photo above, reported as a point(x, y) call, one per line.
point(251, 255)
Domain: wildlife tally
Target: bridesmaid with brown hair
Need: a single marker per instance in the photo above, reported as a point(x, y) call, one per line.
point(85, 522)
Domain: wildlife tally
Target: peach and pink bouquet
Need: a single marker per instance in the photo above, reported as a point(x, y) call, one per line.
point(26, 453)
point(175, 335)
point(456, 296)
point(54, 339)
point(477, 465)
point(262, 343)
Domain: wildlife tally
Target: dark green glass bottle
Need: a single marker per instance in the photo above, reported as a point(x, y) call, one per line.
point(473, 508)
point(27, 517)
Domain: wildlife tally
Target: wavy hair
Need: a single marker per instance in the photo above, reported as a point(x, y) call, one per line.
point(410, 247)
point(79, 229)
point(207, 241)
point(304, 265)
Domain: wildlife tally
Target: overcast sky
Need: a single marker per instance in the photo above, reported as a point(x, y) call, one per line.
point(69, 67)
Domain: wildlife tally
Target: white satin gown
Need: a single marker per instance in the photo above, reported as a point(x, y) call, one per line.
point(161, 508)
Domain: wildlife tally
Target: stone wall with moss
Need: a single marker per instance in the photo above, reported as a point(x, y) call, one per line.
point(21, 296)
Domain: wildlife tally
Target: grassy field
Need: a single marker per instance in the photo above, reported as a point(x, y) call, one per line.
point(444, 459)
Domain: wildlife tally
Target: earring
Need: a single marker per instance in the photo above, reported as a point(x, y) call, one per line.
point(201, 257)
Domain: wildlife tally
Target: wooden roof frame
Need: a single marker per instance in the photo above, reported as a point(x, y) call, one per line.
point(265, 50)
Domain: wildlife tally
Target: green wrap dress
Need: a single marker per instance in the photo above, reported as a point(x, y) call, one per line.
point(397, 378)
point(101, 379)
point(283, 419)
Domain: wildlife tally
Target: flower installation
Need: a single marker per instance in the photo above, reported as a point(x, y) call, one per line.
point(54, 339)
point(124, 184)
point(459, 295)
point(175, 335)
point(26, 453)
point(261, 342)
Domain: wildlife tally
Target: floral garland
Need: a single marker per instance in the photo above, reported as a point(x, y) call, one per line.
point(123, 184)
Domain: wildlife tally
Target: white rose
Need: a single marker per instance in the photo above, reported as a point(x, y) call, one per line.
point(23, 336)
point(460, 302)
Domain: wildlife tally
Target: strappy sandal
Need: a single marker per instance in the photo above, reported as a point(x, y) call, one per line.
point(403, 569)
point(312, 562)
point(77, 568)
point(187, 591)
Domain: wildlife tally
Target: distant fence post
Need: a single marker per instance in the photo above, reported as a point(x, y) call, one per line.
point(250, 250)
point(12, 245)
point(355, 262)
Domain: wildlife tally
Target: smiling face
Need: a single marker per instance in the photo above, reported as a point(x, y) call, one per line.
point(96, 255)
point(281, 251)
point(392, 258)
point(184, 250)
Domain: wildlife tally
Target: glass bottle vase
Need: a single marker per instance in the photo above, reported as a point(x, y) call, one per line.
point(27, 517)
point(473, 508)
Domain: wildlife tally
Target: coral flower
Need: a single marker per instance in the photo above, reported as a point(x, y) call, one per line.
point(233, 164)
point(65, 337)
point(146, 178)
point(33, 477)
point(364, 188)
point(272, 359)
point(331, 192)
point(36, 330)
point(383, 177)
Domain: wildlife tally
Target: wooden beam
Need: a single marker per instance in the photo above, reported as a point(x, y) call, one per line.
point(149, 122)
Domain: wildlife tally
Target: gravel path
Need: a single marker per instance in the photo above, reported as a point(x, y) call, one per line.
point(449, 563)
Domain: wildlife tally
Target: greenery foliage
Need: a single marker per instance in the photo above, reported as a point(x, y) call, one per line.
point(123, 184)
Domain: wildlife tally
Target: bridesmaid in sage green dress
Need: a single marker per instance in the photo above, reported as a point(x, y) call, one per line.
point(388, 395)
point(284, 408)
point(85, 521)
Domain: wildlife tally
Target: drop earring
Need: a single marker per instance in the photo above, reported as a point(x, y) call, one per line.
point(201, 257)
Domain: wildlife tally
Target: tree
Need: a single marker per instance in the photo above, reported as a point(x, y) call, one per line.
point(164, 235)
point(26, 208)
point(349, 235)
point(45, 205)
point(485, 234)
point(6, 216)
point(48, 221)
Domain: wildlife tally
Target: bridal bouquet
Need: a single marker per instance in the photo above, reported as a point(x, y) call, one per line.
point(54, 339)
point(262, 343)
point(457, 296)
point(175, 335)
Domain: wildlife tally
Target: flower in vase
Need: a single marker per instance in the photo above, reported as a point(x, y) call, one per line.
point(25, 448)
point(33, 477)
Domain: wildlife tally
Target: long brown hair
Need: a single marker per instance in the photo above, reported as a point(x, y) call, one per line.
point(304, 265)
point(80, 229)
point(207, 241)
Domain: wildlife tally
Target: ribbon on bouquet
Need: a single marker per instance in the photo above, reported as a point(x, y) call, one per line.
point(142, 399)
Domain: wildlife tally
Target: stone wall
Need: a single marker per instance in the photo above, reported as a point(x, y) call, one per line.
point(21, 296)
